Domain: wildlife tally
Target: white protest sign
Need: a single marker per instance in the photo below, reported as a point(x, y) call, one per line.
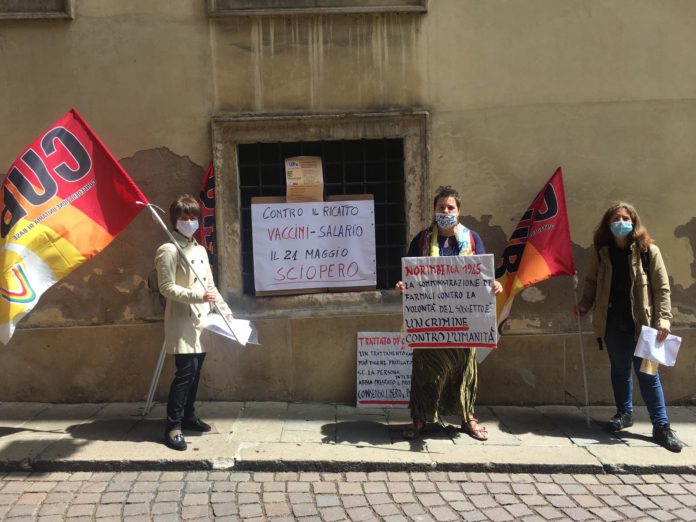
point(448, 302)
point(313, 245)
point(384, 370)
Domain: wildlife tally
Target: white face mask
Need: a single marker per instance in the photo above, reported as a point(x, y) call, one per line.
point(187, 227)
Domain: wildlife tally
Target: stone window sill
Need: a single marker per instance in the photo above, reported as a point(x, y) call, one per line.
point(36, 10)
point(221, 8)
point(317, 305)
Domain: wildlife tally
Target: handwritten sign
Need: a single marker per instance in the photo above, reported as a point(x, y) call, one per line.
point(313, 245)
point(448, 302)
point(384, 370)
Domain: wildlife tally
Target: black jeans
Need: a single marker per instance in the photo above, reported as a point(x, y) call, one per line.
point(182, 393)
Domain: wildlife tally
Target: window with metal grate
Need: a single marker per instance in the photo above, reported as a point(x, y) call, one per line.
point(370, 166)
point(36, 9)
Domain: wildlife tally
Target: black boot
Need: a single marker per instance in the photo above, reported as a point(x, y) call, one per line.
point(619, 422)
point(665, 437)
point(195, 424)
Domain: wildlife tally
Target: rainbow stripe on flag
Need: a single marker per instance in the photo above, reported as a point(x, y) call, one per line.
point(64, 200)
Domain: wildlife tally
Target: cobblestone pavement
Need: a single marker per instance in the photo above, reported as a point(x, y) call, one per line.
point(390, 496)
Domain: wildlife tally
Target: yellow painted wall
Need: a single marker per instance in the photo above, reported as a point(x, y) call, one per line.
point(514, 89)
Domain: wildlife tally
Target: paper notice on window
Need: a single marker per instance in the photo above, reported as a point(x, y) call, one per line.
point(304, 179)
point(239, 330)
point(663, 353)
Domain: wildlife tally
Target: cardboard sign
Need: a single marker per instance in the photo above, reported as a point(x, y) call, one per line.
point(448, 302)
point(313, 245)
point(304, 179)
point(384, 370)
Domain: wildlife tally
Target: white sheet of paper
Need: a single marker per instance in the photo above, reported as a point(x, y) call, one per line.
point(241, 329)
point(663, 353)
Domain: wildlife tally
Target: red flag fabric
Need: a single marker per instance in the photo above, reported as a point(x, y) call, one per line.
point(205, 235)
point(539, 247)
point(64, 200)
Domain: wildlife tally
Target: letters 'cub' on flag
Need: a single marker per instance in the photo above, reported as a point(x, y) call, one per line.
point(538, 249)
point(64, 200)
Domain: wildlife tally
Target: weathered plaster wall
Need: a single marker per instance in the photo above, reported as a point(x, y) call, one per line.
point(606, 90)
point(514, 89)
point(138, 73)
point(318, 63)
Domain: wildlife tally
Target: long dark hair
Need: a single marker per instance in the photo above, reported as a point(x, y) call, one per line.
point(639, 235)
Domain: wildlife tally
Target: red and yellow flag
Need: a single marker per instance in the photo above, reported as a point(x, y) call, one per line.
point(539, 248)
point(64, 200)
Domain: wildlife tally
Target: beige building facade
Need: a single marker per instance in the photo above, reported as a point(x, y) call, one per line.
point(489, 96)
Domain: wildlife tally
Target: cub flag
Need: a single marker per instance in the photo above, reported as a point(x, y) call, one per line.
point(64, 200)
point(538, 249)
point(205, 235)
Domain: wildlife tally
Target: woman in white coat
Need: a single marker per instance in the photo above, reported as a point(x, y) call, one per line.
point(188, 303)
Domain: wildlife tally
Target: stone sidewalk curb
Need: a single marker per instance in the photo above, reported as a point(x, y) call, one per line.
point(331, 466)
point(309, 465)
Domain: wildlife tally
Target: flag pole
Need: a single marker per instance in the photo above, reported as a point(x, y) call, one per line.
point(154, 381)
point(160, 361)
point(582, 350)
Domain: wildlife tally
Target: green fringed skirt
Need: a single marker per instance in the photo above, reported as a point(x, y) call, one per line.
point(443, 382)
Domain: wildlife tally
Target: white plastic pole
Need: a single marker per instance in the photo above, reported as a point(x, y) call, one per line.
point(582, 351)
point(153, 382)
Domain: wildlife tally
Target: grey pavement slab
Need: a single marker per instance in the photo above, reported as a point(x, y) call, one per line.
point(653, 459)
point(530, 426)
point(284, 436)
point(42, 430)
point(16, 413)
point(309, 418)
point(222, 416)
point(572, 422)
point(332, 457)
point(363, 431)
point(326, 436)
point(516, 458)
point(260, 422)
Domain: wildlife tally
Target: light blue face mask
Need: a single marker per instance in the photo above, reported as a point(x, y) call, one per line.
point(446, 221)
point(621, 228)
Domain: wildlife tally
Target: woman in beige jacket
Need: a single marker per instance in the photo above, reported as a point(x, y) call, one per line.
point(188, 303)
point(627, 286)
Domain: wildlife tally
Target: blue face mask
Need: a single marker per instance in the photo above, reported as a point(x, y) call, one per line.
point(621, 228)
point(446, 221)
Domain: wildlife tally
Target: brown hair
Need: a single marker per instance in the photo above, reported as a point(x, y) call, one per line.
point(639, 234)
point(447, 191)
point(184, 204)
